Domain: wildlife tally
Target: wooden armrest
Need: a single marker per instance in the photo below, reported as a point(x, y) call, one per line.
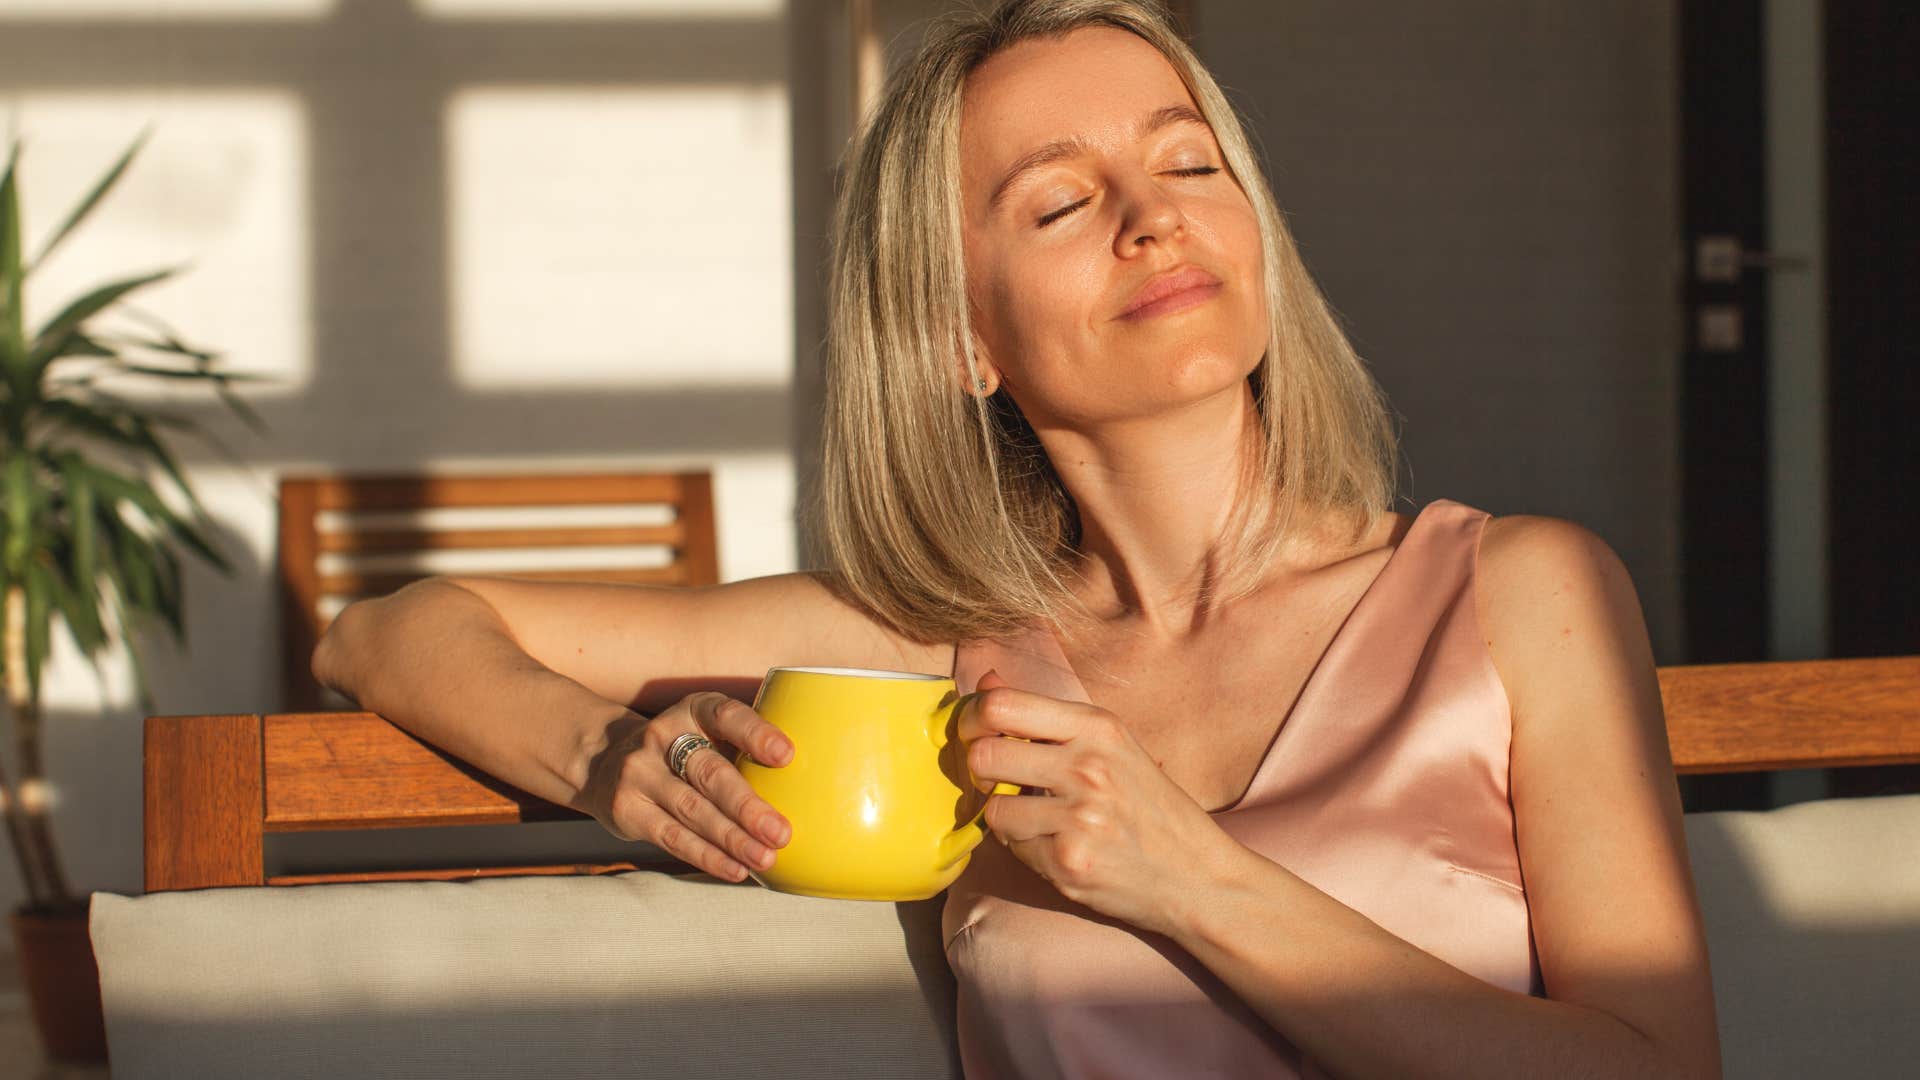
point(215, 785)
point(1792, 714)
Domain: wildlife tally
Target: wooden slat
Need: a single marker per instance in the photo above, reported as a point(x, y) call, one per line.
point(353, 583)
point(202, 802)
point(468, 873)
point(1790, 715)
point(300, 622)
point(413, 492)
point(700, 554)
point(357, 771)
point(379, 541)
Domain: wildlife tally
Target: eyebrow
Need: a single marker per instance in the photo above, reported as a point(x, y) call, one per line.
point(1062, 149)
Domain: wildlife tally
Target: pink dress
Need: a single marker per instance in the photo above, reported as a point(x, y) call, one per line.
point(1386, 788)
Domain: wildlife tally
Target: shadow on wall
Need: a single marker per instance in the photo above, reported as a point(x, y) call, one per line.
point(447, 275)
point(390, 97)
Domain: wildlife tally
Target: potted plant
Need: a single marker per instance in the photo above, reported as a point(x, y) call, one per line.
point(95, 514)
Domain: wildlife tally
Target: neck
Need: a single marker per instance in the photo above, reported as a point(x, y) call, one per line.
point(1154, 496)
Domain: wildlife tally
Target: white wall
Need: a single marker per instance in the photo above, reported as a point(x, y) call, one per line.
point(460, 234)
point(437, 222)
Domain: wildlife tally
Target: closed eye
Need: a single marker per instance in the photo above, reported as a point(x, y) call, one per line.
point(1050, 218)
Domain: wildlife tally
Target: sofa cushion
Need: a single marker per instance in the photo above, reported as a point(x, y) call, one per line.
point(1813, 930)
point(636, 974)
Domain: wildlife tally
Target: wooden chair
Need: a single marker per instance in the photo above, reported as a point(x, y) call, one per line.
point(215, 785)
point(347, 537)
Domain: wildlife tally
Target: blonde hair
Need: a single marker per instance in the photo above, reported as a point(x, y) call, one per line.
point(938, 510)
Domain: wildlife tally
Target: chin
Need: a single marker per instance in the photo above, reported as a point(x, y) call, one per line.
point(1201, 368)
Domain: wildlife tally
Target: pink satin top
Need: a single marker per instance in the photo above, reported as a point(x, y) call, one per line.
point(1386, 788)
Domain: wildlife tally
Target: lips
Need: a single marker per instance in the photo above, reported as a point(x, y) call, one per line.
point(1171, 291)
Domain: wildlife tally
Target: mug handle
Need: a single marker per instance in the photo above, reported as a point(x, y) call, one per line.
point(964, 839)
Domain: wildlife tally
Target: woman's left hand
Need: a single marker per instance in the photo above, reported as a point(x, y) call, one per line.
point(1114, 832)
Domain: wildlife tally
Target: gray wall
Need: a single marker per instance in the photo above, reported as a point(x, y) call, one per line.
point(1486, 191)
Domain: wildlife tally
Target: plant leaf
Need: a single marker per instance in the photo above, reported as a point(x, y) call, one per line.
point(79, 608)
point(87, 204)
point(122, 425)
point(19, 511)
point(141, 495)
point(37, 618)
point(55, 338)
point(122, 619)
point(80, 520)
point(13, 331)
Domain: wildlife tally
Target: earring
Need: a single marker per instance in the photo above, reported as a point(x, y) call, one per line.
point(980, 385)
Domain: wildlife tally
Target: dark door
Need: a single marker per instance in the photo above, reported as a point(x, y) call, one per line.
point(1799, 458)
point(1873, 301)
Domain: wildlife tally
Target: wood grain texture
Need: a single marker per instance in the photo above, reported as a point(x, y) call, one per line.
point(406, 541)
point(700, 554)
point(470, 873)
point(357, 771)
point(216, 783)
point(300, 623)
point(404, 492)
point(355, 584)
point(202, 802)
point(1791, 715)
point(303, 587)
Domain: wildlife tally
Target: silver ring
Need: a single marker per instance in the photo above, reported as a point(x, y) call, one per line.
point(683, 748)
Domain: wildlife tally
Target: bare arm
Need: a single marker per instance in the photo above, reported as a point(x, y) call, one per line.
point(1618, 930)
point(547, 686)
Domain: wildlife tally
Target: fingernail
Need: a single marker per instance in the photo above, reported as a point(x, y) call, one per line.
point(782, 832)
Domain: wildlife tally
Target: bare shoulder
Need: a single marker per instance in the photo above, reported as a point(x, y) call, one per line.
point(1557, 607)
point(1597, 817)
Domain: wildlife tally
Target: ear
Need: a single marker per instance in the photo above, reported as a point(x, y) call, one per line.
point(987, 383)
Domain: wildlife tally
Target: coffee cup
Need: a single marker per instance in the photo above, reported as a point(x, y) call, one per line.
point(878, 792)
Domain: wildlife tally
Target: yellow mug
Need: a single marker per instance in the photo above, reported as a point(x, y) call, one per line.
point(877, 789)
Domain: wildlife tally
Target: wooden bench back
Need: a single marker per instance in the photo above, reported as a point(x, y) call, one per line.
point(215, 785)
point(347, 537)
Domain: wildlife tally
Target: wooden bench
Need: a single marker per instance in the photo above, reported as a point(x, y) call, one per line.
point(215, 785)
point(344, 537)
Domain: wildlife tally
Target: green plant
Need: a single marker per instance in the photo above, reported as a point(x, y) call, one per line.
point(95, 510)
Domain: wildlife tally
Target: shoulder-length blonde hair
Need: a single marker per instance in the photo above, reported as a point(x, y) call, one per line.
point(938, 510)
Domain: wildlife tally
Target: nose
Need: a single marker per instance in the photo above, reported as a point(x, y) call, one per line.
point(1150, 215)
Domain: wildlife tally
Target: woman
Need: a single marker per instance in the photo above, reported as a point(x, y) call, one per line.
point(1306, 785)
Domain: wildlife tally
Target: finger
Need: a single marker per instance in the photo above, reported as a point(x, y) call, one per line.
point(1014, 818)
point(724, 718)
point(1004, 710)
point(688, 803)
point(676, 839)
point(720, 782)
point(994, 758)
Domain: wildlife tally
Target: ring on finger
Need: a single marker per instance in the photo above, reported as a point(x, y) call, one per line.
point(685, 747)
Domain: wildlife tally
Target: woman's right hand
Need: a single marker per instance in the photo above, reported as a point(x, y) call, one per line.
point(712, 819)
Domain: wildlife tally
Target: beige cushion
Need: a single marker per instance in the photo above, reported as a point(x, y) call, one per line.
point(637, 974)
point(1813, 929)
point(1813, 921)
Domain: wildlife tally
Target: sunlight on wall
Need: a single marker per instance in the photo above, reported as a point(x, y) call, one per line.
point(632, 9)
point(621, 238)
point(41, 10)
point(219, 191)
